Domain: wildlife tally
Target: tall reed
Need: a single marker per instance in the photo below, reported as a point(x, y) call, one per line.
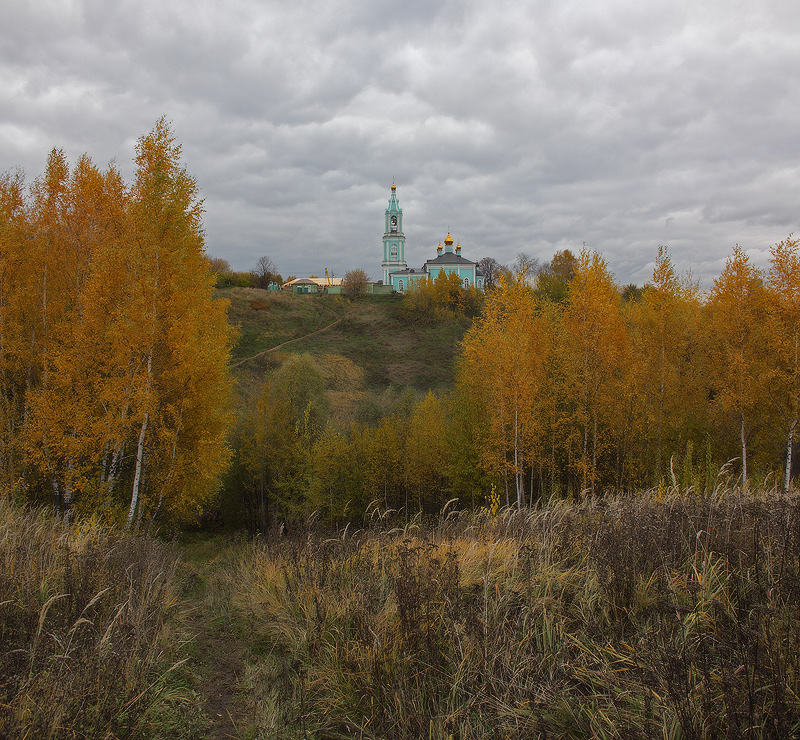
point(650, 616)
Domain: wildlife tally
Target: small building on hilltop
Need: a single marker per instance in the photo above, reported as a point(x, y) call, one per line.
point(448, 259)
point(314, 285)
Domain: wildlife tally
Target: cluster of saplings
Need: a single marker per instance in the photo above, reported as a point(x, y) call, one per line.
point(565, 385)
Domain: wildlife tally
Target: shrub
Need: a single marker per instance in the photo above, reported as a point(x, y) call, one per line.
point(355, 283)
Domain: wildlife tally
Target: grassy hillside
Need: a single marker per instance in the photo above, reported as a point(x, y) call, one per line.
point(371, 333)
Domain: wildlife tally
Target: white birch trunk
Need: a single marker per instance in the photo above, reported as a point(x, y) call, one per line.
point(116, 460)
point(787, 477)
point(517, 473)
point(137, 478)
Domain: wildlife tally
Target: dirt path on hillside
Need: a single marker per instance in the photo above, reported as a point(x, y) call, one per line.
point(219, 658)
point(291, 341)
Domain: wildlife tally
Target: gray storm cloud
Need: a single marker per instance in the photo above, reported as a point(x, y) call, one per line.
point(531, 126)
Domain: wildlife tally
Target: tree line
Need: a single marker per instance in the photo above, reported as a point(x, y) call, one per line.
point(114, 382)
point(606, 389)
point(263, 275)
point(116, 398)
point(567, 385)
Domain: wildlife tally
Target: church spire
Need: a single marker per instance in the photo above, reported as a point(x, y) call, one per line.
point(394, 240)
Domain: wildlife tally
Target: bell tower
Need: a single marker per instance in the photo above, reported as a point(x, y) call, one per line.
point(394, 240)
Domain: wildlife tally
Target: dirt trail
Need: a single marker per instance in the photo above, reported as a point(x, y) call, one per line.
point(291, 341)
point(219, 657)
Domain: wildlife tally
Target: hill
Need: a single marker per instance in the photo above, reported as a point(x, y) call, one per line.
point(371, 342)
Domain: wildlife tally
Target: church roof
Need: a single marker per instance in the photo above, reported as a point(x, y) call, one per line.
point(450, 258)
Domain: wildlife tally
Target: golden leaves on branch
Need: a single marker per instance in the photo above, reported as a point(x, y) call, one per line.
point(113, 346)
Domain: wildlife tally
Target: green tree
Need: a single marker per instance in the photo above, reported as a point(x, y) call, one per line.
point(297, 391)
point(427, 454)
point(554, 278)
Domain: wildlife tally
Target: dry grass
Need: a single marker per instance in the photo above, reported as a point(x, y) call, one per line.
point(641, 617)
point(88, 643)
point(341, 373)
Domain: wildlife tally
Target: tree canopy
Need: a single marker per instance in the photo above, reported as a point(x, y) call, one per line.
point(113, 350)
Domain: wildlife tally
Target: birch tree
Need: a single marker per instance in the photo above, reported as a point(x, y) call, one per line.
point(664, 333)
point(181, 399)
point(503, 372)
point(783, 332)
point(113, 350)
point(594, 351)
point(737, 311)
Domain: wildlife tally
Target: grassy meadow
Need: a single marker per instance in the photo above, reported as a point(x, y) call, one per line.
point(671, 616)
point(92, 638)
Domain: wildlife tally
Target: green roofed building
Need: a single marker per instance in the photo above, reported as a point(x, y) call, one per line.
point(448, 259)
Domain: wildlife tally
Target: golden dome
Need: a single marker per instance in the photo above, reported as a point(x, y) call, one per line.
point(439, 248)
point(448, 240)
point(394, 187)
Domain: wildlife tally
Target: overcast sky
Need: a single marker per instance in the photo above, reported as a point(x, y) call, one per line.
point(519, 126)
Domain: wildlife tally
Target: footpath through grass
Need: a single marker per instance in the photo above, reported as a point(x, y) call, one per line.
point(108, 635)
point(219, 652)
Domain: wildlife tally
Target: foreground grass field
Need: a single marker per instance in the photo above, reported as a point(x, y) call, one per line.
point(91, 637)
point(673, 616)
point(622, 618)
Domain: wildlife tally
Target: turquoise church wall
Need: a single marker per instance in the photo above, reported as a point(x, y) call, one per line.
point(396, 272)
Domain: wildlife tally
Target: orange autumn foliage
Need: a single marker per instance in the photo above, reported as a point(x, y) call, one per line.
point(114, 364)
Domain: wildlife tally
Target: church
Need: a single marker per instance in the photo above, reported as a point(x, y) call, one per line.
point(448, 259)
